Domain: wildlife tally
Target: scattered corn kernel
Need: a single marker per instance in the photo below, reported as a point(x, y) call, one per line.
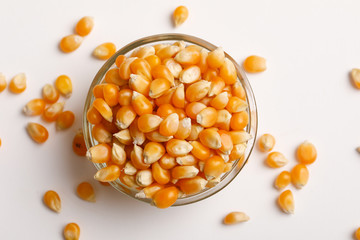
point(65, 120)
point(357, 234)
point(282, 180)
point(286, 202)
point(70, 43)
point(52, 112)
point(72, 231)
point(104, 51)
point(52, 201)
point(50, 94)
point(86, 192)
point(180, 15)
point(18, 83)
point(34, 107)
point(276, 160)
point(37, 132)
point(235, 217)
point(266, 143)
point(84, 26)
point(254, 64)
point(299, 175)
point(78, 144)
point(3, 83)
point(306, 153)
point(64, 85)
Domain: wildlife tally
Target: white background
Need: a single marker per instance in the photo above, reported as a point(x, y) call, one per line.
point(305, 94)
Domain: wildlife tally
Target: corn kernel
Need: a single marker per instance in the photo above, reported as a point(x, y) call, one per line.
point(228, 72)
point(50, 94)
point(187, 160)
point(37, 132)
point(141, 67)
point(306, 153)
point(239, 137)
point(140, 84)
point(166, 197)
point(129, 169)
point(207, 117)
point(170, 125)
point(174, 67)
point(52, 201)
point(180, 172)
point(282, 180)
point(125, 96)
point(124, 69)
point(266, 143)
point(237, 152)
point(188, 56)
point(153, 61)
point(137, 158)
point(299, 176)
point(119, 60)
point(178, 148)
point(124, 137)
point(84, 26)
point(220, 101)
point(194, 132)
point(34, 107)
point(78, 144)
point(118, 154)
point(100, 153)
point(86, 192)
point(143, 52)
point(160, 175)
point(192, 185)
point(276, 160)
point(355, 77)
point(286, 202)
point(214, 167)
point(357, 234)
point(70, 43)
point(93, 116)
point(180, 15)
point(153, 151)
point(72, 231)
point(167, 162)
point(192, 109)
point(65, 120)
point(64, 86)
point(158, 87)
point(210, 138)
point(111, 94)
point(149, 191)
point(167, 52)
point(144, 178)
point(104, 51)
point(161, 71)
point(216, 58)
point(197, 90)
point(108, 174)
point(178, 98)
point(155, 136)
point(113, 76)
point(125, 116)
point(236, 105)
point(18, 83)
point(184, 129)
point(254, 64)
point(235, 217)
point(141, 104)
point(237, 90)
point(239, 120)
point(190, 74)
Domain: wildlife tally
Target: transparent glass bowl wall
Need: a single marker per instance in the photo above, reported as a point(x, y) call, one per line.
point(171, 38)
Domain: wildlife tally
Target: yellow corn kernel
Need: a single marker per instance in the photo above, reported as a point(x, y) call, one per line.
point(235, 217)
point(299, 176)
point(214, 167)
point(84, 26)
point(357, 234)
point(118, 154)
point(188, 56)
point(184, 129)
point(170, 125)
point(128, 180)
point(200, 151)
point(168, 52)
point(50, 94)
point(180, 15)
point(187, 160)
point(52, 112)
point(141, 104)
point(167, 162)
point(178, 98)
point(210, 138)
point(113, 76)
point(306, 153)
point(104, 51)
point(52, 201)
point(286, 202)
point(160, 46)
point(72, 231)
point(181, 113)
point(254, 64)
point(216, 87)
point(153, 61)
point(239, 137)
point(86, 192)
point(190, 74)
point(197, 90)
point(124, 69)
point(37, 132)
point(101, 134)
point(166, 197)
point(78, 144)
point(149, 191)
point(119, 60)
point(141, 67)
point(129, 169)
point(161, 71)
point(228, 72)
point(124, 137)
point(65, 120)
point(276, 160)
point(100, 153)
point(138, 137)
point(143, 52)
point(64, 86)
point(137, 158)
point(210, 73)
point(108, 174)
point(125, 96)
point(207, 117)
point(266, 143)
point(34, 107)
point(180, 172)
point(223, 119)
point(216, 58)
point(70, 43)
point(140, 84)
point(149, 122)
point(220, 101)
point(226, 142)
point(111, 94)
point(158, 87)
point(165, 110)
point(3, 83)
point(174, 67)
point(18, 83)
point(282, 180)
point(194, 132)
point(125, 116)
point(192, 109)
point(237, 90)
point(355, 77)
point(237, 152)
point(155, 136)
point(178, 148)
point(144, 178)
point(153, 151)
point(236, 104)
point(203, 60)
point(160, 175)
point(165, 98)
point(239, 120)
point(192, 185)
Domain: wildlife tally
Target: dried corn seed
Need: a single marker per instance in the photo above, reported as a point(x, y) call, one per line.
point(124, 69)
point(210, 138)
point(214, 167)
point(143, 52)
point(65, 120)
point(111, 94)
point(3, 83)
point(213, 182)
point(124, 137)
point(355, 77)
point(254, 64)
point(129, 169)
point(226, 142)
point(153, 61)
point(357, 234)
point(239, 137)
point(180, 15)
point(113, 76)
point(84, 26)
point(276, 160)
point(129, 180)
point(306, 153)
point(140, 84)
point(237, 152)
point(266, 143)
point(93, 116)
point(149, 191)
point(160, 175)
point(118, 155)
point(299, 176)
point(104, 51)
point(144, 178)
point(50, 94)
point(188, 56)
point(194, 132)
point(200, 151)
point(174, 67)
point(78, 144)
point(167, 162)
point(165, 197)
point(141, 67)
point(190, 74)
point(149, 122)
point(228, 72)
point(207, 117)
point(137, 158)
point(168, 52)
point(192, 109)
point(70, 43)
point(187, 160)
point(161, 71)
point(86, 192)
point(119, 60)
point(197, 90)
point(235, 217)
point(141, 104)
point(236, 105)
point(239, 120)
point(108, 174)
point(286, 202)
point(137, 136)
point(210, 74)
point(101, 134)
point(155, 136)
point(223, 120)
point(37, 132)
point(216, 58)
point(125, 96)
point(178, 148)
point(64, 85)
point(125, 116)
point(34, 107)
point(178, 98)
point(238, 90)
point(216, 87)
point(18, 83)
point(170, 125)
point(72, 231)
point(192, 185)
point(52, 112)
point(153, 151)
point(52, 201)
point(181, 172)
point(165, 98)
point(184, 129)
point(100, 153)
point(282, 180)
point(158, 87)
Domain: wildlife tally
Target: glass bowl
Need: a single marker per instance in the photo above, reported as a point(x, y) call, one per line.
point(252, 110)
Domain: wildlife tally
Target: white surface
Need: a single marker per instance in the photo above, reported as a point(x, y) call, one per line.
point(310, 47)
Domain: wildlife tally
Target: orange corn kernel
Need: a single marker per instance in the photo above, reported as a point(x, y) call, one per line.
point(3, 83)
point(210, 138)
point(216, 87)
point(165, 110)
point(254, 64)
point(64, 86)
point(52, 112)
point(98, 91)
point(180, 172)
point(143, 52)
point(214, 167)
point(141, 104)
point(167, 52)
point(125, 116)
point(174, 67)
point(140, 84)
point(93, 116)
point(86, 192)
point(161, 71)
point(192, 185)
point(239, 120)
point(357, 234)
point(144, 178)
point(188, 56)
point(50, 94)
point(306, 153)
point(266, 143)
point(155, 136)
point(34, 107)
point(236, 104)
point(100, 153)
point(187, 160)
point(203, 60)
point(170, 125)
point(286, 202)
point(141, 67)
point(108, 174)
point(197, 90)
point(124, 137)
point(149, 122)
point(209, 74)
point(128, 180)
point(52, 201)
point(84, 26)
point(129, 169)
point(190, 74)
point(137, 136)
point(124, 69)
point(200, 151)
point(178, 98)
point(160, 175)
point(104, 51)
point(181, 113)
point(220, 101)
point(149, 191)
point(207, 117)
point(153, 61)
point(78, 144)
point(137, 158)
point(180, 15)
point(119, 60)
point(166, 197)
point(223, 120)
point(276, 160)
point(194, 132)
point(153, 151)
point(228, 72)
point(65, 120)
point(18, 83)
point(158, 87)
point(299, 176)
point(111, 94)
point(101, 134)
point(355, 77)
point(178, 148)
point(184, 129)
point(192, 109)
point(235, 217)
point(216, 58)
point(167, 162)
point(226, 142)
point(237, 152)
point(37, 132)
point(118, 154)
point(237, 90)
point(125, 96)
point(113, 76)
point(72, 231)
point(70, 43)
point(282, 180)
point(165, 98)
